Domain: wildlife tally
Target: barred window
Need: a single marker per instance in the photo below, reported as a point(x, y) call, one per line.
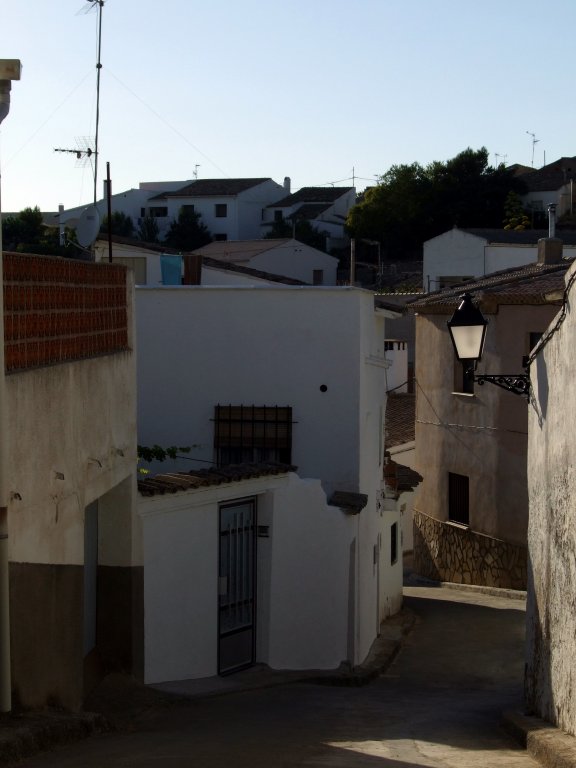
point(252, 434)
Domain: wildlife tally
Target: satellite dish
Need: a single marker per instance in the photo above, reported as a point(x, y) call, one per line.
point(88, 226)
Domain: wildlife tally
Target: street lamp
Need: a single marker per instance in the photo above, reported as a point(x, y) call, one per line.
point(467, 329)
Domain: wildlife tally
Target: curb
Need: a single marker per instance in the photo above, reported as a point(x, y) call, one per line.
point(550, 746)
point(413, 580)
point(22, 736)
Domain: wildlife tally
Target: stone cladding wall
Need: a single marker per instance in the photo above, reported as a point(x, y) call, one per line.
point(449, 552)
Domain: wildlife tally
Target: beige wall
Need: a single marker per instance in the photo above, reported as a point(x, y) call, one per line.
point(484, 435)
point(551, 609)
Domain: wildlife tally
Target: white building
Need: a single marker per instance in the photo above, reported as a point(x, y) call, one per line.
point(464, 254)
point(231, 209)
point(247, 375)
point(287, 257)
point(326, 208)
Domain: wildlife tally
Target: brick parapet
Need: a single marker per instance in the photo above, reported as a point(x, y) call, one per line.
point(447, 552)
point(59, 310)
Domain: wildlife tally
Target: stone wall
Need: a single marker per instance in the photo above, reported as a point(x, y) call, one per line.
point(449, 552)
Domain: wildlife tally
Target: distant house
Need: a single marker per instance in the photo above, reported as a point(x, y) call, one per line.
point(70, 451)
point(553, 183)
point(325, 208)
point(463, 254)
point(231, 209)
point(282, 389)
point(471, 510)
point(286, 257)
point(146, 261)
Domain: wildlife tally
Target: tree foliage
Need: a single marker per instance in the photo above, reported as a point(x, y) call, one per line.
point(148, 230)
point(187, 232)
point(122, 225)
point(158, 453)
point(412, 203)
point(515, 217)
point(26, 233)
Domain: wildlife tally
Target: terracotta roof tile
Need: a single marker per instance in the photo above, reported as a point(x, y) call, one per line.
point(173, 482)
point(530, 284)
point(400, 419)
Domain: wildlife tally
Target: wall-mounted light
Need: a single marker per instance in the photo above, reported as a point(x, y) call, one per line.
point(467, 329)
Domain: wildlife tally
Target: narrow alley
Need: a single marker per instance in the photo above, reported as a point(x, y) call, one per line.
point(438, 706)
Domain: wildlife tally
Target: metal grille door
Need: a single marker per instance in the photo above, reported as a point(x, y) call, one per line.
point(236, 588)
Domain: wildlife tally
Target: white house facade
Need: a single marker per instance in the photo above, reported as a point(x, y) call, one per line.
point(464, 254)
point(289, 374)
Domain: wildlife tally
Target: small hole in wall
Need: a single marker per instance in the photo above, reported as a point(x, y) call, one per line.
point(323, 388)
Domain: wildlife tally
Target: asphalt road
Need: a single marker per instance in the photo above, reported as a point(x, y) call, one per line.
point(439, 705)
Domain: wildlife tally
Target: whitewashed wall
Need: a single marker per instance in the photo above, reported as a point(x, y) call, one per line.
point(297, 260)
point(302, 579)
point(278, 346)
point(551, 610)
point(200, 346)
point(460, 254)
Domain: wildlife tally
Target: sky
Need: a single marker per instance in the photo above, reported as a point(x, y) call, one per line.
point(323, 91)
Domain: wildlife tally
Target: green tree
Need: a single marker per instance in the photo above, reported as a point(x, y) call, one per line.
point(24, 229)
point(300, 229)
point(515, 217)
point(187, 232)
point(122, 225)
point(148, 230)
point(412, 203)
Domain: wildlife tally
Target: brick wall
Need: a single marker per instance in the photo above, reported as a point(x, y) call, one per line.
point(57, 310)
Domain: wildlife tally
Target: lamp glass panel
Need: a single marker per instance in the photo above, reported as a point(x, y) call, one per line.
point(468, 341)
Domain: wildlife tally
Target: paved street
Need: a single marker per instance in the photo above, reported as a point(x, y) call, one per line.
point(439, 705)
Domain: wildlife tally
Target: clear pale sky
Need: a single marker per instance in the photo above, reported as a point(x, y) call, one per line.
point(303, 88)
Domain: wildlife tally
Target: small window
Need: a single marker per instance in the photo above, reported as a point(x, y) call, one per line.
point(458, 498)
point(278, 216)
point(252, 434)
point(393, 543)
point(158, 212)
point(187, 209)
point(318, 277)
point(142, 213)
point(221, 237)
point(221, 210)
point(463, 379)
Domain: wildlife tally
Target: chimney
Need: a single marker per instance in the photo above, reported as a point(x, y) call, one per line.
point(549, 250)
point(552, 220)
point(287, 184)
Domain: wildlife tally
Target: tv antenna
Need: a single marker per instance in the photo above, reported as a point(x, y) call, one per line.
point(195, 174)
point(534, 142)
point(497, 156)
point(85, 152)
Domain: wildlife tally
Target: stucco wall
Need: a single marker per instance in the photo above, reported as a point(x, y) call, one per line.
point(266, 346)
point(303, 567)
point(551, 611)
point(482, 436)
point(298, 261)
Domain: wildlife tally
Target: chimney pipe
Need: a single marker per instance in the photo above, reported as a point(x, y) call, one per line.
point(287, 184)
point(552, 220)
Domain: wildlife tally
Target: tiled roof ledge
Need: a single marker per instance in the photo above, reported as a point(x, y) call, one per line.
point(549, 250)
point(350, 502)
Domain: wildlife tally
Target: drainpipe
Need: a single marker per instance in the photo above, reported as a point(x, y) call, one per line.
point(9, 70)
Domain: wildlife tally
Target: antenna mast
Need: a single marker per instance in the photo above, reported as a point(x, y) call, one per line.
point(534, 142)
point(98, 70)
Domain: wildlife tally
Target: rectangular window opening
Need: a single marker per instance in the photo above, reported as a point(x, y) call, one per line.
point(458, 498)
point(221, 210)
point(249, 434)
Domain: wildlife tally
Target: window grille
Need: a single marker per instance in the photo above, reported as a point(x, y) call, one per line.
point(252, 434)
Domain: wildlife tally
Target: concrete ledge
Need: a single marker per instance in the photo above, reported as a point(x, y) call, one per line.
point(413, 580)
point(550, 746)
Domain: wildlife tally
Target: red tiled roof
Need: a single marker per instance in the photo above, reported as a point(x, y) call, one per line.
point(173, 482)
point(400, 419)
point(530, 284)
